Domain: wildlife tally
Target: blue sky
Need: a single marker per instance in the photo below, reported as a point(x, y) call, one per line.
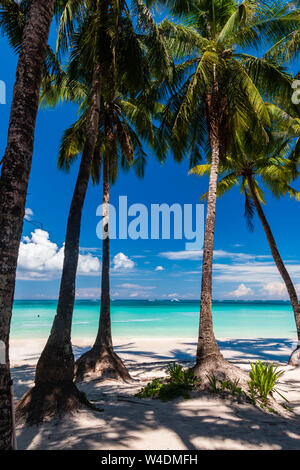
point(142, 268)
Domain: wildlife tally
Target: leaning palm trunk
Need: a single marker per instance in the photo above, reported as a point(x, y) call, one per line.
point(54, 390)
point(14, 180)
point(295, 357)
point(101, 361)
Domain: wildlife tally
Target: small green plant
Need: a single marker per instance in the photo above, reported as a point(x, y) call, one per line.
point(181, 376)
point(213, 382)
point(271, 410)
point(219, 386)
point(264, 378)
point(178, 383)
point(151, 390)
point(232, 387)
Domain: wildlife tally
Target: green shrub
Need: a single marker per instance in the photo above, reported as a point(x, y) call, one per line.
point(219, 386)
point(178, 383)
point(151, 390)
point(213, 382)
point(264, 378)
point(181, 376)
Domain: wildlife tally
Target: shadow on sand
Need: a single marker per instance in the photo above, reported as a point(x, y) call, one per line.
point(202, 423)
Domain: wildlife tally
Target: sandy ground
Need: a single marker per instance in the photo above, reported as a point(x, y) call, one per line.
point(129, 423)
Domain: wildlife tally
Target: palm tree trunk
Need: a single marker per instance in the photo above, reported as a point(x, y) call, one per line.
point(14, 180)
point(207, 349)
point(104, 336)
point(101, 361)
point(295, 358)
point(209, 360)
point(55, 368)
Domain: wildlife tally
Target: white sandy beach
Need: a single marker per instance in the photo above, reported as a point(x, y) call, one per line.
point(129, 423)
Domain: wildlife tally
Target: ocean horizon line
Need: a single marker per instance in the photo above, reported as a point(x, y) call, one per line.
point(275, 301)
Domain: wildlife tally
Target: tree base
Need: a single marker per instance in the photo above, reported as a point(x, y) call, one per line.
point(46, 400)
point(5, 409)
point(295, 358)
point(222, 370)
point(216, 366)
point(101, 363)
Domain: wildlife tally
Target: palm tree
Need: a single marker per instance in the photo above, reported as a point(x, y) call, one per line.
point(287, 48)
point(54, 389)
point(15, 171)
point(218, 90)
point(274, 165)
point(124, 124)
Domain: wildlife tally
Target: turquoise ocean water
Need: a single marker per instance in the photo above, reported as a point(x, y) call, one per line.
point(137, 318)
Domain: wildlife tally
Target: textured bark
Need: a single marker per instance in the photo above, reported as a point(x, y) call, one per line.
point(101, 361)
point(104, 331)
point(15, 176)
point(48, 399)
point(295, 357)
point(207, 349)
point(55, 368)
point(5, 410)
point(216, 366)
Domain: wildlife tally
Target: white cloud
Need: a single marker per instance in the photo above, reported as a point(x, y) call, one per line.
point(135, 294)
point(252, 272)
point(122, 261)
point(132, 290)
point(129, 286)
point(276, 290)
point(159, 268)
point(84, 249)
point(40, 258)
point(141, 294)
point(197, 255)
point(88, 264)
point(182, 255)
point(28, 214)
point(242, 291)
point(135, 286)
point(88, 293)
